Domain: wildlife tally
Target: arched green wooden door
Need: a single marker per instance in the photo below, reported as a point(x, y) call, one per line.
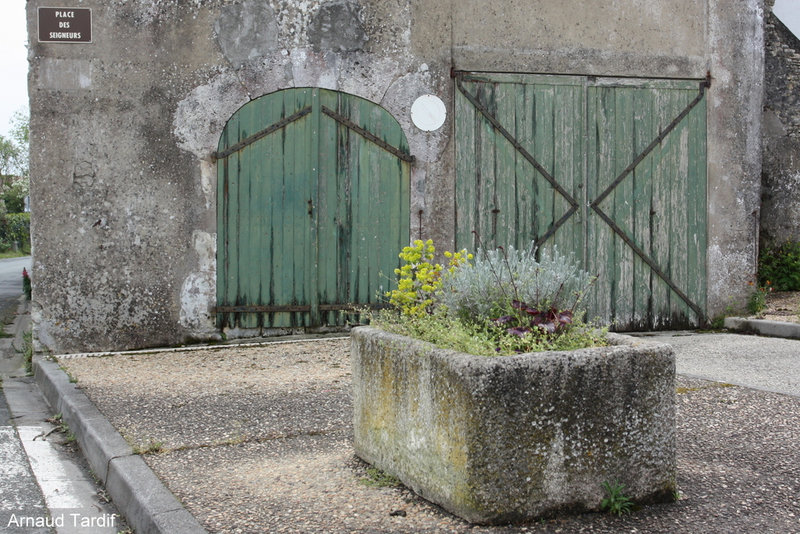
point(312, 208)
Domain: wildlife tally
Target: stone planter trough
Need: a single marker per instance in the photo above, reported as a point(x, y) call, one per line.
point(508, 439)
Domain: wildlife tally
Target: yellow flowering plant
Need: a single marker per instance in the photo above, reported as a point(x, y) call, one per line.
point(418, 279)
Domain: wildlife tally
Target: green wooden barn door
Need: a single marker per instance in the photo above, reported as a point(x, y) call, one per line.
point(612, 170)
point(520, 160)
point(313, 205)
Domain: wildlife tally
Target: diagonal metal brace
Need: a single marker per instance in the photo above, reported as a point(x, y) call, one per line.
point(368, 135)
point(263, 133)
point(650, 262)
point(657, 141)
point(525, 154)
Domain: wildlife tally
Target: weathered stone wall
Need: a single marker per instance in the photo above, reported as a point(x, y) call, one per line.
point(122, 130)
point(780, 210)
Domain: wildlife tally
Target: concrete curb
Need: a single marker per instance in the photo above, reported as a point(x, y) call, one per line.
point(763, 327)
point(21, 324)
point(139, 495)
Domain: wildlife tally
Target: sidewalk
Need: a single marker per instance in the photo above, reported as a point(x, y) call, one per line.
point(257, 439)
point(46, 486)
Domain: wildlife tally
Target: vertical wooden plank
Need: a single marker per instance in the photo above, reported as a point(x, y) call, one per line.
point(623, 205)
point(374, 209)
point(396, 203)
point(600, 241)
point(327, 208)
point(568, 134)
point(644, 133)
point(291, 260)
point(311, 260)
point(241, 218)
point(226, 224)
point(275, 171)
point(544, 140)
point(661, 214)
point(504, 190)
point(486, 169)
point(347, 202)
point(525, 175)
point(466, 124)
point(251, 174)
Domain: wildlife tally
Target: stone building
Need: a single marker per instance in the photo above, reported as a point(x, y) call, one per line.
point(202, 167)
point(780, 211)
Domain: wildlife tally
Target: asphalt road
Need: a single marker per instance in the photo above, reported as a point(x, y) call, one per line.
point(758, 362)
point(11, 284)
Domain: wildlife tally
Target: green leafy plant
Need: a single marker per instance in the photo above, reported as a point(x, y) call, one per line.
point(27, 351)
point(15, 228)
point(502, 276)
point(758, 298)
point(615, 502)
point(150, 447)
point(379, 479)
point(62, 427)
point(781, 266)
point(506, 302)
point(58, 421)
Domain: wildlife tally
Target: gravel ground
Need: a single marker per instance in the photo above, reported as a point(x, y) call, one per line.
point(782, 306)
point(258, 439)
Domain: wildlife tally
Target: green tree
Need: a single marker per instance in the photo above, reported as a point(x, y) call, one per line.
point(9, 156)
point(14, 166)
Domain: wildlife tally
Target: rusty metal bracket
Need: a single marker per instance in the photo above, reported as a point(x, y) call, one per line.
point(301, 308)
point(367, 135)
point(525, 154)
point(263, 133)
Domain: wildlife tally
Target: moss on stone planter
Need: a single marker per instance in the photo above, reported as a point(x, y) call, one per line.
point(507, 439)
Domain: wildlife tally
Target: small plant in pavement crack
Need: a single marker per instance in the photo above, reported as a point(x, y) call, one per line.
point(379, 479)
point(152, 446)
point(60, 426)
point(616, 502)
point(58, 421)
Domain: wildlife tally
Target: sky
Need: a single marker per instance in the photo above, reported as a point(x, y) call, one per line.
point(14, 54)
point(13, 63)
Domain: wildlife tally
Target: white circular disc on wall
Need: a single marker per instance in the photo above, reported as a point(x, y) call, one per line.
point(428, 113)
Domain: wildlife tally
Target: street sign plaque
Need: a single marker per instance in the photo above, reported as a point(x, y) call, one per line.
point(65, 25)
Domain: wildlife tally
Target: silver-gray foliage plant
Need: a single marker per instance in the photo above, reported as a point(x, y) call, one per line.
point(487, 288)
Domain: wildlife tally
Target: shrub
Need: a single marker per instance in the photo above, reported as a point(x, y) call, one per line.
point(505, 302)
point(15, 228)
point(780, 266)
point(505, 282)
